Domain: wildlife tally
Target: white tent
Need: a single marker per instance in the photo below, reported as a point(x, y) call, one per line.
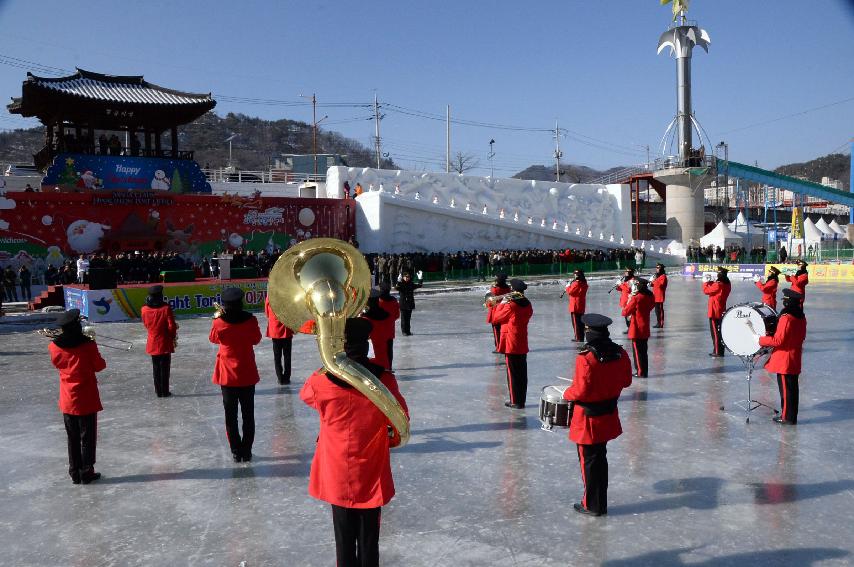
point(812, 235)
point(834, 226)
point(824, 228)
point(751, 234)
point(721, 236)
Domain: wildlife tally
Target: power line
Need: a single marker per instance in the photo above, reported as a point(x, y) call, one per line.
point(794, 114)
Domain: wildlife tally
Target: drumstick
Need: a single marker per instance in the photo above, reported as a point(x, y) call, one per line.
point(562, 378)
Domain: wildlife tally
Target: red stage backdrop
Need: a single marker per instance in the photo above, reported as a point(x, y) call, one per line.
point(45, 228)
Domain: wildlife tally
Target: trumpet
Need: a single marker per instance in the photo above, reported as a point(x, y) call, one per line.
point(89, 331)
point(218, 310)
point(494, 300)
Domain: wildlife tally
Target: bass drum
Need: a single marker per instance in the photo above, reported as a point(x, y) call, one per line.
point(554, 410)
point(736, 332)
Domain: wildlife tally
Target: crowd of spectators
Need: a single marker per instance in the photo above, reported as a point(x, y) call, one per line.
point(730, 255)
point(486, 263)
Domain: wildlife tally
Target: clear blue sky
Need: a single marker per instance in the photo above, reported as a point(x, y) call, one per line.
point(592, 65)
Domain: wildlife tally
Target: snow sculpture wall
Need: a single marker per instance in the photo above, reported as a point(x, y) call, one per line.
point(409, 211)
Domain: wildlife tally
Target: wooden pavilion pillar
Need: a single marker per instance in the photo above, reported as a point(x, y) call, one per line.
point(174, 141)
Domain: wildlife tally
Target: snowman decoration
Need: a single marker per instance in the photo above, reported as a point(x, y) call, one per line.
point(160, 181)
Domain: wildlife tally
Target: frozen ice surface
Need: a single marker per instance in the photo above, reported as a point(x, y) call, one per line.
point(479, 484)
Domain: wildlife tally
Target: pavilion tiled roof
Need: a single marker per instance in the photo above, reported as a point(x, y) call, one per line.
point(121, 89)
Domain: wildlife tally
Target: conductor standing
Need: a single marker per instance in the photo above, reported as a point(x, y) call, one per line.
point(406, 290)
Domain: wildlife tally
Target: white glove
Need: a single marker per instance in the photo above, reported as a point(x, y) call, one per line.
point(757, 279)
point(419, 274)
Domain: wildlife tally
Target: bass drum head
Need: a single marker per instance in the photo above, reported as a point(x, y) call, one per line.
point(737, 335)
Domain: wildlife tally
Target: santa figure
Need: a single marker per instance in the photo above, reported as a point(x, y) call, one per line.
point(87, 180)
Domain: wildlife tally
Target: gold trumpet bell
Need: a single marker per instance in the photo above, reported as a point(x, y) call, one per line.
point(328, 280)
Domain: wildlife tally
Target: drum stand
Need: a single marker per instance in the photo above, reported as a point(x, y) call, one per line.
point(750, 404)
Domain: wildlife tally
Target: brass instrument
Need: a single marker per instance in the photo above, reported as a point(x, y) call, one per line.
point(218, 310)
point(494, 300)
point(328, 280)
point(89, 331)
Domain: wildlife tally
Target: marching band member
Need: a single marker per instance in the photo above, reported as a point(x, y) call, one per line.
point(513, 314)
point(391, 306)
point(380, 319)
point(498, 289)
point(77, 358)
point(659, 287)
point(800, 280)
point(406, 289)
point(638, 308)
point(718, 292)
point(602, 370)
point(625, 288)
point(283, 338)
point(785, 359)
point(351, 468)
point(577, 292)
point(159, 321)
point(236, 331)
point(769, 288)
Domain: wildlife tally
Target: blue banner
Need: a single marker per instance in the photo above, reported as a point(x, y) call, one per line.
point(84, 172)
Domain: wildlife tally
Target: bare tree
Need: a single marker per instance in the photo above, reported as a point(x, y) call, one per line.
point(463, 162)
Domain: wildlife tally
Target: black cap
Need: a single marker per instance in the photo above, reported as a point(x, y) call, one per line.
point(155, 290)
point(774, 269)
point(789, 293)
point(802, 263)
point(518, 285)
point(579, 271)
point(385, 288)
point(659, 265)
point(66, 317)
point(596, 321)
point(375, 293)
point(722, 270)
point(356, 333)
point(232, 295)
point(632, 270)
point(641, 282)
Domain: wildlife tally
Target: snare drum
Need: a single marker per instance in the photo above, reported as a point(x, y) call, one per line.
point(554, 410)
point(737, 335)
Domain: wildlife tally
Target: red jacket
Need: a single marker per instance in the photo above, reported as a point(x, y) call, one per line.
point(596, 381)
point(769, 292)
point(577, 292)
point(351, 465)
point(496, 291)
point(235, 361)
point(78, 387)
point(625, 288)
point(638, 308)
point(659, 287)
point(162, 329)
point(392, 307)
point(718, 293)
point(513, 319)
point(788, 344)
point(275, 328)
point(799, 283)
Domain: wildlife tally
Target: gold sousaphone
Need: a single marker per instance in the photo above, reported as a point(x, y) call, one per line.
point(328, 280)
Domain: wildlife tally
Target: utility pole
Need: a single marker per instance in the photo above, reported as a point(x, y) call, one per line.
point(491, 155)
point(557, 154)
point(377, 120)
point(314, 131)
point(448, 140)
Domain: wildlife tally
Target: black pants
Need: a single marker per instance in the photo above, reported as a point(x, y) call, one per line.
point(594, 472)
point(11, 293)
point(231, 397)
point(577, 326)
point(517, 377)
point(496, 335)
point(161, 364)
point(82, 433)
point(639, 352)
point(405, 319)
point(357, 536)
point(659, 314)
point(717, 340)
point(390, 353)
point(26, 291)
point(789, 394)
point(282, 359)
